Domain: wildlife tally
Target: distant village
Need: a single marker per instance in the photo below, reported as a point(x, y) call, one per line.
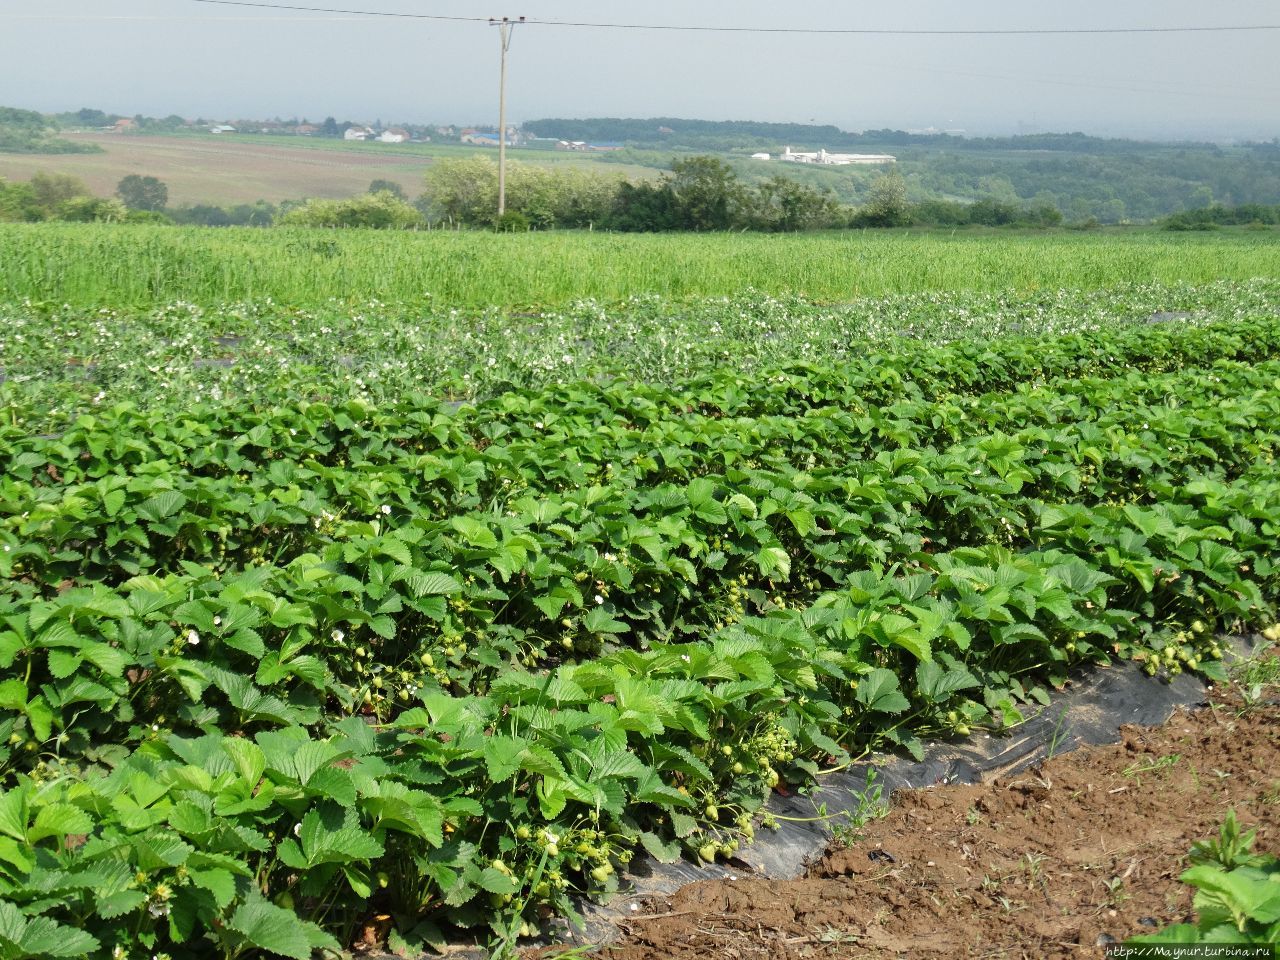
point(330, 128)
point(473, 136)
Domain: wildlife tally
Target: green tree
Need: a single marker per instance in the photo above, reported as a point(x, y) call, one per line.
point(87, 117)
point(18, 202)
point(143, 193)
point(379, 211)
point(886, 203)
point(707, 194)
point(461, 191)
point(783, 204)
point(465, 191)
point(644, 207)
point(51, 190)
point(92, 210)
point(387, 186)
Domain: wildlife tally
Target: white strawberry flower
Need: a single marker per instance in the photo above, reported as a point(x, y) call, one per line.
point(193, 638)
point(337, 635)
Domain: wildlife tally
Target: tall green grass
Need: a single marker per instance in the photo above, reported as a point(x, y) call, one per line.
point(91, 264)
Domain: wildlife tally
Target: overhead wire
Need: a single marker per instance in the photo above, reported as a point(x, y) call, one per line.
point(730, 28)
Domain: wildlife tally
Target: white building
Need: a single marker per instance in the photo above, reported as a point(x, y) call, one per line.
point(836, 159)
point(761, 156)
point(357, 133)
point(394, 135)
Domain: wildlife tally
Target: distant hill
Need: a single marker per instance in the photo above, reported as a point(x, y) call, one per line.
point(1084, 176)
point(668, 131)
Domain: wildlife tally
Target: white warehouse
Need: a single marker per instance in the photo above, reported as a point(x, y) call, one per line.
point(836, 159)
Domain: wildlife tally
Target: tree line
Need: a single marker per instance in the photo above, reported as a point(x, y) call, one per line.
point(697, 194)
point(25, 131)
point(1217, 215)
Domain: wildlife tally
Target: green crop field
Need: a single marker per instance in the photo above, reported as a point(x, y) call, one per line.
point(95, 265)
point(381, 588)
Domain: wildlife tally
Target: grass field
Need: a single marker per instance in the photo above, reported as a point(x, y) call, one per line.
point(232, 169)
point(94, 265)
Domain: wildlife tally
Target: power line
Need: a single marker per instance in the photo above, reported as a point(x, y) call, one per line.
point(355, 13)
point(688, 28)
point(113, 18)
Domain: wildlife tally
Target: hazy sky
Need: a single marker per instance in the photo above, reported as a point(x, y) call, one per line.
point(179, 56)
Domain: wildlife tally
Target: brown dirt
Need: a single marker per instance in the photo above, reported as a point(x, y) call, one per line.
point(1050, 863)
point(232, 169)
point(210, 170)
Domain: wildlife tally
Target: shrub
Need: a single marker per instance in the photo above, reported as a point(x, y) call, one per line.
point(379, 211)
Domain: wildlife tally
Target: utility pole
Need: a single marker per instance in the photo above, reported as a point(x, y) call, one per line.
point(505, 26)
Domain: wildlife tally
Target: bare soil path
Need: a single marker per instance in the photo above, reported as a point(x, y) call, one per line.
point(1054, 862)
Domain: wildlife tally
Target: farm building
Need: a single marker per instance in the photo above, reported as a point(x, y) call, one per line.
point(582, 146)
point(394, 135)
point(836, 159)
point(357, 133)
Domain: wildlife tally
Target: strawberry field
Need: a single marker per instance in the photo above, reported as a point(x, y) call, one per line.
point(372, 624)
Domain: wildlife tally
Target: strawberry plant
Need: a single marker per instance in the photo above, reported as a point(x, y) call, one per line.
point(1237, 896)
point(297, 664)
